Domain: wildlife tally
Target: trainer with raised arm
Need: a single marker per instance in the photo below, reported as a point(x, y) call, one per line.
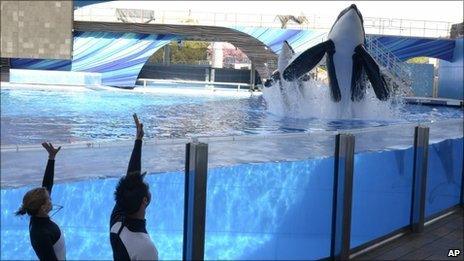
point(46, 237)
point(128, 234)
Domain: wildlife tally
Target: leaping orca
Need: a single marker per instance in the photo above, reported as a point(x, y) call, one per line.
point(285, 56)
point(346, 59)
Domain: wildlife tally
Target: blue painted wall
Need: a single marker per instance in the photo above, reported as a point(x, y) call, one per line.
point(405, 47)
point(451, 79)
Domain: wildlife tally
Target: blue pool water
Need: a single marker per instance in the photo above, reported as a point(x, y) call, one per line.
point(30, 116)
point(275, 210)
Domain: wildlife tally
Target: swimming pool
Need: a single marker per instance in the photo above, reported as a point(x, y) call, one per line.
point(269, 194)
point(30, 116)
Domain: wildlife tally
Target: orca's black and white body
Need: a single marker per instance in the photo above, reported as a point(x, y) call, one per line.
point(346, 60)
point(285, 55)
point(290, 92)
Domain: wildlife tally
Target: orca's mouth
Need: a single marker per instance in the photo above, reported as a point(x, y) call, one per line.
point(352, 6)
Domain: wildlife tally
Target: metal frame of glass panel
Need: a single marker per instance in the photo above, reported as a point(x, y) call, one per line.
point(196, 168)
point(195, 196)
point(342, 196)
point(421, 148)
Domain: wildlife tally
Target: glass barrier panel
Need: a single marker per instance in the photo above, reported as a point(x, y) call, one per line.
point(445, 166)
point(382, 182)
point(269, 197)
point(85, 180)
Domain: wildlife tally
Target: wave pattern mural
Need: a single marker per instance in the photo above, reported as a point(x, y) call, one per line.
point(401, 46)
point(118, 56)
point(300, 40)
point(408, 47)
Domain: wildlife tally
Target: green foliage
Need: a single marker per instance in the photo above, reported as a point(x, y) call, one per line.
point(189, 52)
point(157, 57)
point(418, 60)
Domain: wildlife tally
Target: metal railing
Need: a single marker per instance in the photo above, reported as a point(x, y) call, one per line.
point(372, 25)
point(209, 84)
point(393, 67)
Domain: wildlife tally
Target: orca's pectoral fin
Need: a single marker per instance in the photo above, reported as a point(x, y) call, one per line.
point(333, 82)
point(373, 73)
point(306, 60)
point(357, 81)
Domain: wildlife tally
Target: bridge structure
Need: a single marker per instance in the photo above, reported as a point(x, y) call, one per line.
point(118, 42)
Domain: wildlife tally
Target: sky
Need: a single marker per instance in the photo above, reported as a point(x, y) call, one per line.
point(449, 11)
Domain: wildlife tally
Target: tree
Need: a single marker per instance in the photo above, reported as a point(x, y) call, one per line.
point(418, 60)
point(187, 52)
point(190, 52)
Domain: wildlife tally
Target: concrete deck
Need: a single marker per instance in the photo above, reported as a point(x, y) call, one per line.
point(433, 244)
point(434, 101)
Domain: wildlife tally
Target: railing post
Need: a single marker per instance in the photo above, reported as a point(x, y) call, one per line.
point(462, 187)
point(252, 77)
point(342, 196)
point(196, 166)
point(421, 149)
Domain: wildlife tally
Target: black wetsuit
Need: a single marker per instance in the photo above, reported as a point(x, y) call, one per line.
point(129, 237)
point(46, 237)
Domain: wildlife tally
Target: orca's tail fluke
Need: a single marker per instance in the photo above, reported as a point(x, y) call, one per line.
point(373, 74)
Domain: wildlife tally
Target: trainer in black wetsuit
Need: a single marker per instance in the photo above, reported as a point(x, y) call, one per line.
point(128, 234)
point(46, 237)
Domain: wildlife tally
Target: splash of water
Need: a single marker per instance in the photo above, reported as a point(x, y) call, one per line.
point(311, 99)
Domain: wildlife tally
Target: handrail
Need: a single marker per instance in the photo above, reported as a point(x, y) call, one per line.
point(373, 25)
point(238, 84)
point(394, 67)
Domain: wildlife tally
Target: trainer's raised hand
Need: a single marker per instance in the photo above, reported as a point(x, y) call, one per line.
point(139, 127)
point(51, 150)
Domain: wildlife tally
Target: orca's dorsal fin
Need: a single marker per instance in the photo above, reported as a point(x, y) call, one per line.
point(373, 73)
point(305, 61)
point(285, 55)
point(288, 46)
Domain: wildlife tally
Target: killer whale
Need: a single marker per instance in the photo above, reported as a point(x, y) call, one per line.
point(285, 56)
point(347, 59)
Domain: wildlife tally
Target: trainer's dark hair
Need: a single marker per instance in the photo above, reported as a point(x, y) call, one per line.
point(130, 192)
point(32, 201)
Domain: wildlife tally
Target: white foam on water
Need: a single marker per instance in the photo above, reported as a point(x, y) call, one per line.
point(311, 99)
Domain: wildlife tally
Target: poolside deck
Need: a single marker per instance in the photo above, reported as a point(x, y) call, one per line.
point(434, 101)
point(433, 244)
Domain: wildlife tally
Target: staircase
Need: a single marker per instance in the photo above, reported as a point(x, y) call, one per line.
point(397, 74)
